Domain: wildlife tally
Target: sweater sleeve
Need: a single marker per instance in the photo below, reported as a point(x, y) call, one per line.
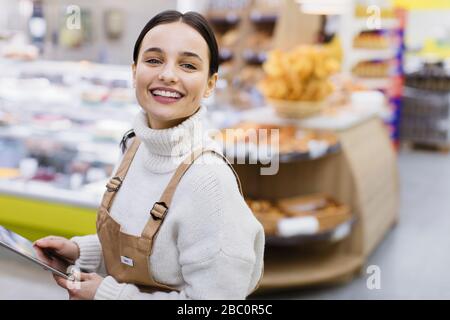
point(220, 242)
point(91, 256)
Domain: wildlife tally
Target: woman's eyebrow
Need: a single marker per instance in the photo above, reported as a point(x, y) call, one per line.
point(153, 49)
point(191, 54)
point(184, 53)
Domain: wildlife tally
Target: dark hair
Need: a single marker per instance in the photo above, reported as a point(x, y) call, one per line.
point(127, 136)
point(194, 20)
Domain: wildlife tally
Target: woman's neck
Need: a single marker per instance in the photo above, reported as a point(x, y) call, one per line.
point(161, 125)
point(166, 148)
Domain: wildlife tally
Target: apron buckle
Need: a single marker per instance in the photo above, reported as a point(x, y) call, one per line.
point(114, 184)
point(159, 210)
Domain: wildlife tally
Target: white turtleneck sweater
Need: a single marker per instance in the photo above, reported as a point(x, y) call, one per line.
point(210, 245)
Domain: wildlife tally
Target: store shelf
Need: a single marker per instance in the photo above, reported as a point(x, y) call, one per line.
point(345, 119)
point(374, 83)
point(254, 57)
point(257, 17)
point(391, 28)
point(364, 176)
point(286, 268)
point(225, 54)
point(252, 155)
point(361, 24)
point(250, 39)
point(229, 18)
point(41, 191)
point(334, 235)
point(360, 54)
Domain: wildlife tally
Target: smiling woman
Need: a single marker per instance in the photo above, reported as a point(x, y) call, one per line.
point(173, 73)
point(173, 222)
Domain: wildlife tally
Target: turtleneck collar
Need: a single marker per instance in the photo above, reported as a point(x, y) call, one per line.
point(166, 148)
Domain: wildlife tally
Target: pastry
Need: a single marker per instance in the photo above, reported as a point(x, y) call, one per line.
point(290, 138)
point(327, 211)
point(300, 74)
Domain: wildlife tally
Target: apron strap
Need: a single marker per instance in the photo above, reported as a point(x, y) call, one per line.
point(160, 208)
point(115, 182)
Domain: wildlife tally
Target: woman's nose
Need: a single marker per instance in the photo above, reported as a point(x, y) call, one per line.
point(168, 74)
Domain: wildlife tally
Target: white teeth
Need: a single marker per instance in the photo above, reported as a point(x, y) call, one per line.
point(166, 93)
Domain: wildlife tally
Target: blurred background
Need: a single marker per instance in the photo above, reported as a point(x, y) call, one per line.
point(358, 90)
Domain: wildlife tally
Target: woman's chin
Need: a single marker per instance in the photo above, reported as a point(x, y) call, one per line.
point(162, 118)
point(160, 111)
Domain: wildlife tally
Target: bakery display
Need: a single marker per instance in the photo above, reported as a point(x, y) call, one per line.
point(267, 213)
point(60, 140)
point(297, 82)
point(249, 75)
point(314, 216)
point(260, 40)
point(72, 120)
point(244, 32)
point(227, 39)
point(372, 69)
point(300, 74)
point(290, 142)
point(371, 39)
point(21, 53)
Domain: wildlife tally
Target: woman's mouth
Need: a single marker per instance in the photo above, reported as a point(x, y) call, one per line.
point(165, 95)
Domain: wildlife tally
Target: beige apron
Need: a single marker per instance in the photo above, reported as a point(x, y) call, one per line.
point(127, 256)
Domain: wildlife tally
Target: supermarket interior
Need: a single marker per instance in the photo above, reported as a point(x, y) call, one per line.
point(350, 185)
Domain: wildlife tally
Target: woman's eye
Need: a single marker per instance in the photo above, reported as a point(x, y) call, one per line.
point(153, 61)
point(189, 66)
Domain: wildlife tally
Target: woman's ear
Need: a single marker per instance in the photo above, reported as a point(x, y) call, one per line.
point(211, 85)
point(133, 70)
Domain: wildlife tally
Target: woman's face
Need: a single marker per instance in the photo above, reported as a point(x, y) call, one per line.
point(171, 74)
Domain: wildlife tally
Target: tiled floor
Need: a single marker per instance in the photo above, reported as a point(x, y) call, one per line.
point(413, 258)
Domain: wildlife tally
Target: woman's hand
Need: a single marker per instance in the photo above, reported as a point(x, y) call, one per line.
point(59, 245)
point(84, 289)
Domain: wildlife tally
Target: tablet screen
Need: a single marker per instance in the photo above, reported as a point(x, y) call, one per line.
point(25, 248)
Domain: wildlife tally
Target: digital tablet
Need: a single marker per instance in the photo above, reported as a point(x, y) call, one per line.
point(24, 247)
